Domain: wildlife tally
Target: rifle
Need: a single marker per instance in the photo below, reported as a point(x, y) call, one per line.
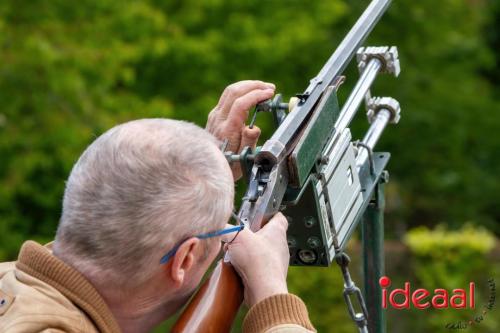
point(312, 171)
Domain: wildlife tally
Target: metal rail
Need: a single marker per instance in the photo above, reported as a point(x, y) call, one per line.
point(355, 99)
point(358, 94)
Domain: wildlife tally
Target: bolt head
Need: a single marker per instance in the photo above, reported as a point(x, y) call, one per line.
point(313, 242)
point(309, 222)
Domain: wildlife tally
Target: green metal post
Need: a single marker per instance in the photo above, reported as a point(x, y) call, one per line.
point(372, 235)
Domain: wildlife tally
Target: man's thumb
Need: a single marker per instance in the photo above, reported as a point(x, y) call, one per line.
point(277, 223)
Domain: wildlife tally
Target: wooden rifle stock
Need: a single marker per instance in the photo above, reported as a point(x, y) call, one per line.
point(215, 305)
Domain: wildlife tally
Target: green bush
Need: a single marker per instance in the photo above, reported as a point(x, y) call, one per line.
point(448, 258)
point(451, 259)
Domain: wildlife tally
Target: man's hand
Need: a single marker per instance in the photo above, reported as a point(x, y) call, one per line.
point(261, 259)
point(227, 119)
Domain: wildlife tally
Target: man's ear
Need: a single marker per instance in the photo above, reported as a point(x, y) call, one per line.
point(183, 260)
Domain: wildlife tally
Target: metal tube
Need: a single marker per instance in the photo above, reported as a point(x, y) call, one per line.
point(372, 135)
point(358, 94)
point(372, 237)
point(354, 100)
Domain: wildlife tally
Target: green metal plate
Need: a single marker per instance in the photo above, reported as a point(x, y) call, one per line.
point(313, 139)
point(306, 229)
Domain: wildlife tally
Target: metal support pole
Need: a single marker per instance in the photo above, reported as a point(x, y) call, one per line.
point(372, 235)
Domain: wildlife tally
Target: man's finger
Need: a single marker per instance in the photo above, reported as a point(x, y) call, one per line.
point(241, 106)
point(249, 137)
point(238, 89)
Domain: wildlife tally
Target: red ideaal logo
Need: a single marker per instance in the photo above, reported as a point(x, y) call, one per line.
point(423, 299)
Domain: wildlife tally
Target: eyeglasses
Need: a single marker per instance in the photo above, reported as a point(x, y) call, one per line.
point(207, 235)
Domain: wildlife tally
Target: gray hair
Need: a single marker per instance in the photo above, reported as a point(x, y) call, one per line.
point(138, 190)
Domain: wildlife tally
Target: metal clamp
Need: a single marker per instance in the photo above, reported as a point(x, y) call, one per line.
point(388, 57)
point(375, 104)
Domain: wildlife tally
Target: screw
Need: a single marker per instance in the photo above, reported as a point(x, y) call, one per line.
point(309, 222)
point(324, 160)
point(313, 242)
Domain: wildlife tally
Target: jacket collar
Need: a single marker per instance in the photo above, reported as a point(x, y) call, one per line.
point(37, 261)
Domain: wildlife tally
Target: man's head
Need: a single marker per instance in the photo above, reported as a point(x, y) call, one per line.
point(137, 191)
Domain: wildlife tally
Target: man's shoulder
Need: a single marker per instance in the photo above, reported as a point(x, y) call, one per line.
point(28, 304)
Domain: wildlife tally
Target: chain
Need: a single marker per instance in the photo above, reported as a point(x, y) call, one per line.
point(360, 318)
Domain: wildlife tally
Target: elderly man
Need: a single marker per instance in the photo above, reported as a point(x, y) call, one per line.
point(142, 190)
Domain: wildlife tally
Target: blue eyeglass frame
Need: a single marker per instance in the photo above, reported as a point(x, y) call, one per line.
point(212, 234)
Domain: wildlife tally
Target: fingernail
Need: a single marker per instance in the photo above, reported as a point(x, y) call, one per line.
point(271, 85)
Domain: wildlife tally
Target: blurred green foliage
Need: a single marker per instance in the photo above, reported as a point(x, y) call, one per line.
point(467, 243)
point(452, 259)
point(69, 71)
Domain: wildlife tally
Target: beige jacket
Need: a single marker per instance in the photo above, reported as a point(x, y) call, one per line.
point(40, 293)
